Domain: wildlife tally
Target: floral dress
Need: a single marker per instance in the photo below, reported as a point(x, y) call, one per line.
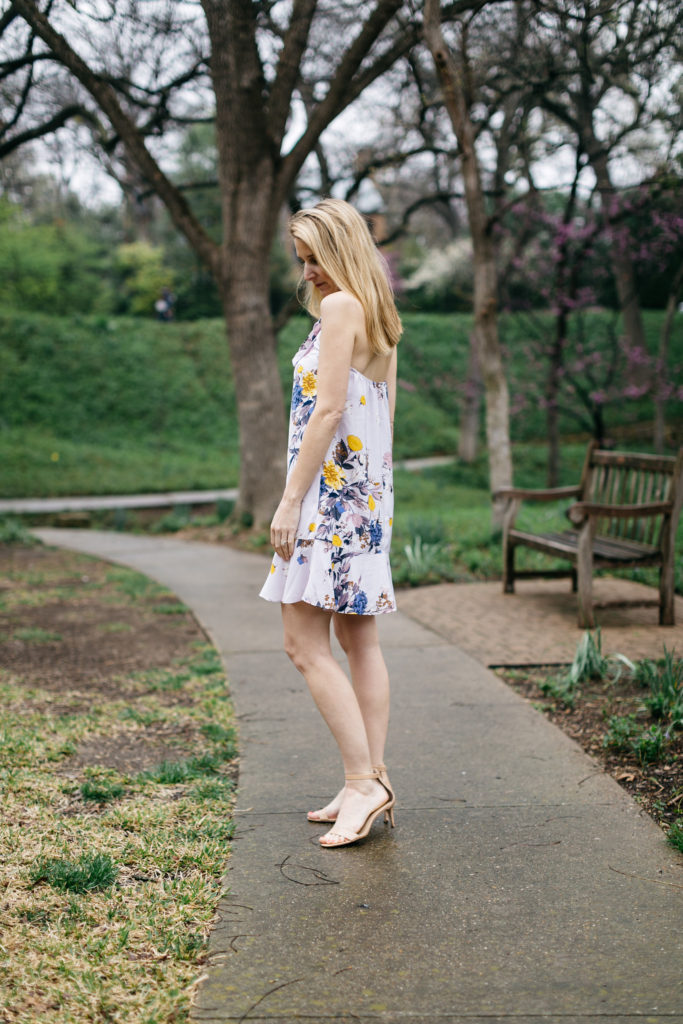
point(341, 555)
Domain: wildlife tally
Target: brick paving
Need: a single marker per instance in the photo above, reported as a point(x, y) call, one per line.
point(537, 624)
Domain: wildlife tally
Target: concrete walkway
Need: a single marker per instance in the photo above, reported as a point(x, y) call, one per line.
point(521, 884)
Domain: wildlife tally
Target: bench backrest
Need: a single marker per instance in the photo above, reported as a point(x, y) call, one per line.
point(629, 478)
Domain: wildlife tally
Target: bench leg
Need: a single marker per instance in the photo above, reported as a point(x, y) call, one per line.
point(508, 567)
point(667, 614)
point(584, 570)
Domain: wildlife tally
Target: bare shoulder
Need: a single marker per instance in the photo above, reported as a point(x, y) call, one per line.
point(342, 306)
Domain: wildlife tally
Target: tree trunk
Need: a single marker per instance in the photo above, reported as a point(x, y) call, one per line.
point(663, 359)
point(257, 382)
point(552, 418)
point(451, 76)
point(622, 264)
point(469, 410)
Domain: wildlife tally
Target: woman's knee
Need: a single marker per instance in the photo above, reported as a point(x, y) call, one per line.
point(356, 633)
point(303, 651)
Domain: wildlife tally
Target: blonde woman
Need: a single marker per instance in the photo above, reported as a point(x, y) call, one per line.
point(332, 529)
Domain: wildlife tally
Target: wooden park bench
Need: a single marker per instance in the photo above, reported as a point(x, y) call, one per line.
point(625, 515)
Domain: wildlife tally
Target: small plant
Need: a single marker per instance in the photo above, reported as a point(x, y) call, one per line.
point(649, 745)
point(664, 680)
point(173, 521)
point(620, 732)
point(101, 792)
point(675, 835)
point(423, 557)
point(590, 663)
point(89, 873)
point(561, 689)
point(170, 773)
point(36, 635)
point(13, 531)
point(170, 609)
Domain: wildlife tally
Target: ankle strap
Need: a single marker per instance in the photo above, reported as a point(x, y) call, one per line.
point(362, 775)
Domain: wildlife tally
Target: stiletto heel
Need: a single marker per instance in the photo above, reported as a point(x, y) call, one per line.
point(387, 808)
point(383, 777)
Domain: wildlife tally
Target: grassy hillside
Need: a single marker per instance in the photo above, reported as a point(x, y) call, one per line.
point(105, 404)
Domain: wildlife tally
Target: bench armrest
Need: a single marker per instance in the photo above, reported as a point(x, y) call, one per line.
point(550, 494)
point(582, 510)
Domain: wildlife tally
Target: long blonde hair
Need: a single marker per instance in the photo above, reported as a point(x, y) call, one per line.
point(341, 243)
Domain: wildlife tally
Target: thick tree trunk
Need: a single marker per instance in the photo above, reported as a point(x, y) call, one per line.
point(451, 76)
point(257, 383)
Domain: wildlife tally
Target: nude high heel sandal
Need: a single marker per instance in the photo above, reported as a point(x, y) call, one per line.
point(346, 838)
point(383, 777)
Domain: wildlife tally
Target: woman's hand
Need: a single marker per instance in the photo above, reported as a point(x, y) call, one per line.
point(283, 527)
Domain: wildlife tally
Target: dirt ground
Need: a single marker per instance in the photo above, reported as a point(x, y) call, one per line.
point(80, 630)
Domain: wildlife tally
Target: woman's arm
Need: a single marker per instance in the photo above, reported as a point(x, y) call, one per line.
point(342, 318)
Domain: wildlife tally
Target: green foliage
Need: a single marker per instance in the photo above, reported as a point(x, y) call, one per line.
point(89, 873)
point(37, 635)
point(664, 680)
point(170, 773)
point(621, 730)
point(649, 745)
point(13, 531)
point(588, 662)
point(144, 275)
point(56, 267)
point(675, 835)
point(561, 688)
point(101, 791)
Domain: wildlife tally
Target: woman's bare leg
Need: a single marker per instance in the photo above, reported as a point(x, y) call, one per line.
point(307, 642)
point(357, 635)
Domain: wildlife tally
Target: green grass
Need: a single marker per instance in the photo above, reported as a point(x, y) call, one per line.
point(95, 405)
point(92, 871)
point(110, 878)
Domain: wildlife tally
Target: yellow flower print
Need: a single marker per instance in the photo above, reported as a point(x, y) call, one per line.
point(334, 476)
point(371, 503)
point(272, 569)
point(311, 527)
point(362, 399)
point(309, 384)
point(336, 540)
point(354, 443)
point(391, 521)
point(300, 368)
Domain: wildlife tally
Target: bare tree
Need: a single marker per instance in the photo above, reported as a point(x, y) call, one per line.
point(454, 73)
point(600, 68)
point(279, 78)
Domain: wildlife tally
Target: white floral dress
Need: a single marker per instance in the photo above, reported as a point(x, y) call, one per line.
point(341, 556)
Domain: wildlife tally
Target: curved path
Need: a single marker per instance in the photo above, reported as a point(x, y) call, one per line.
point(521, 884)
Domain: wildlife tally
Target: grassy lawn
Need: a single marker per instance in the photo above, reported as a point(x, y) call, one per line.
point(117, 755)
point(111, 405)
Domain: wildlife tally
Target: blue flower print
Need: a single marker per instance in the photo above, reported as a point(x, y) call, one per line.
point(375, 533)
point(360, 603)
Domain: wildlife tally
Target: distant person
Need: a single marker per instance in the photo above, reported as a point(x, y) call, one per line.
point(332, 529)
point(165, 305)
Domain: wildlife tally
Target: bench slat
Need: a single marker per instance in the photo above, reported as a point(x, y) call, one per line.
point(566, 542)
